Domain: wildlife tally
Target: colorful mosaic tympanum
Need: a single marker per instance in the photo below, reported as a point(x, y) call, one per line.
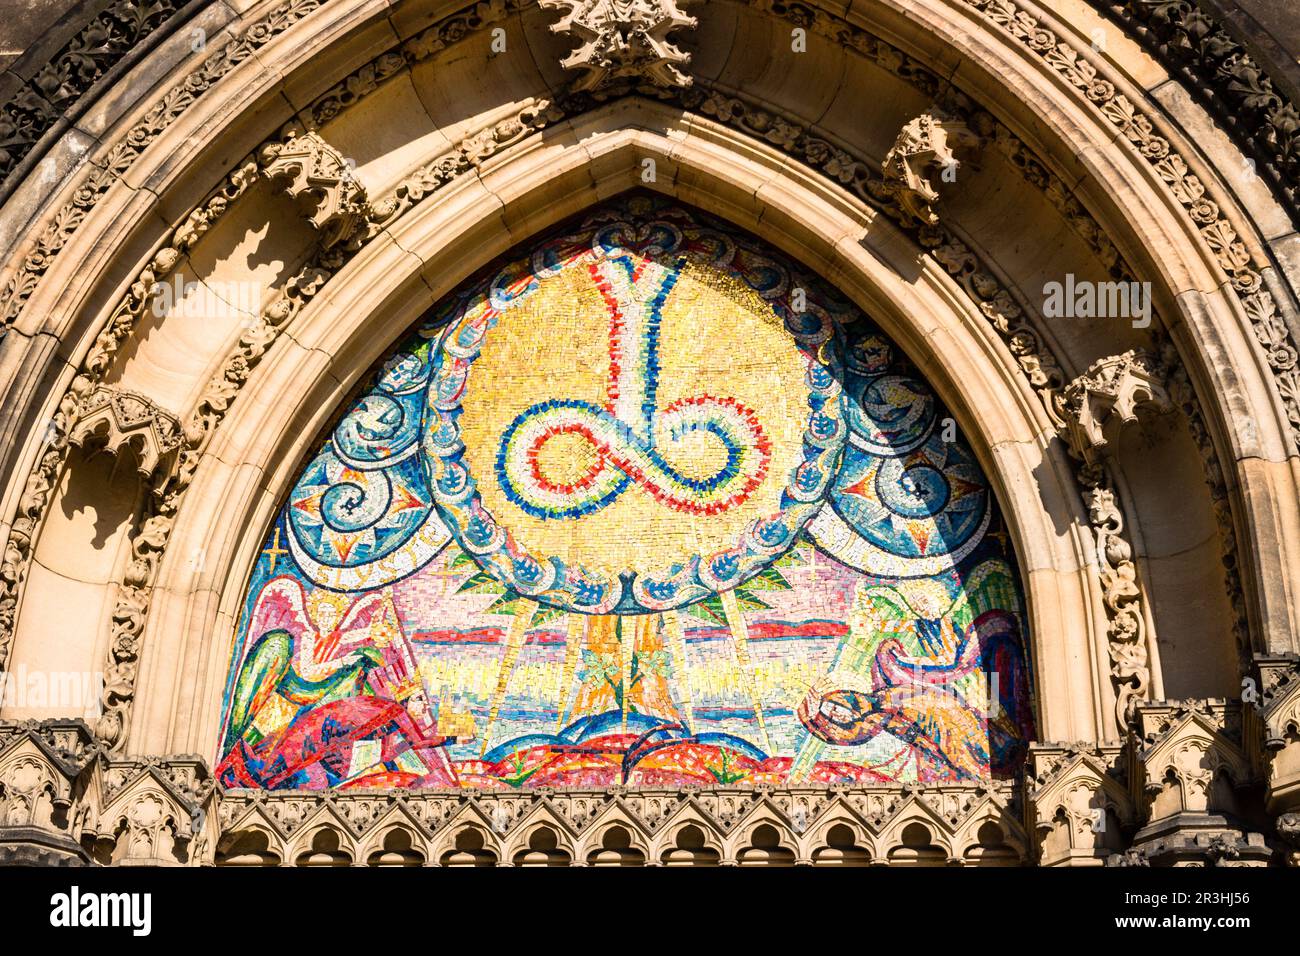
point(643, 504)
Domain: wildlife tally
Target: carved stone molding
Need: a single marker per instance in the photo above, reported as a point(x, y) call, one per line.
point(1126, 627)
point(69, 796)
point(1287, 827)
point(57, 86)
point(320, 180)
point(149, 812)
point(115, 419)
point(925, 154)
point(943, 825)
point(1196, 48)
point(1114, 393)
point(623, 40)
point(41, 481)
point(1182, 777)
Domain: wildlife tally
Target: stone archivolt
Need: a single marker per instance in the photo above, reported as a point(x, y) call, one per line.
point(1178, 755)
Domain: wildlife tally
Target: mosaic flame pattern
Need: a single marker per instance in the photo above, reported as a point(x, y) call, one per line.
point(643, 504)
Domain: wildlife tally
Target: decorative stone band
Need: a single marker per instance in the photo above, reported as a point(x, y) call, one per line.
point(64, 800)
point(1165, 795)
point(1194, 46)
point(56, 90)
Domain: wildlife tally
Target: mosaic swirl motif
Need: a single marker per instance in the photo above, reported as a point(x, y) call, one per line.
point(362, 514)
point(908, 501)
point(623, 434)
point(568, 458)
point(643, 504)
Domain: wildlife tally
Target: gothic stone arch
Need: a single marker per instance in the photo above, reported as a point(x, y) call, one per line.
point(325, 171)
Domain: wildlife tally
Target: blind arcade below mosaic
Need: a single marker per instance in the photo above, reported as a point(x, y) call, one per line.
point(642, 504)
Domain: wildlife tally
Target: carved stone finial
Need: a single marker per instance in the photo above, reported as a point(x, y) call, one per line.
point(923, 154)
point(320, 179)
point(623, 39)
point(113, 419)
point(1115, 392)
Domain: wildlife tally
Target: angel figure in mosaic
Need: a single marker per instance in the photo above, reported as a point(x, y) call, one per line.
point(330, 693)
point(310, 651)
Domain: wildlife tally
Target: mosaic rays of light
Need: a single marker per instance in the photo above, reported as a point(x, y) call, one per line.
point(642, 504)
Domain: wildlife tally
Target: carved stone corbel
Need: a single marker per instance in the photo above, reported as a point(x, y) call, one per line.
point(318, 177)
point(114, 419)
point(926, 153)
point(1191, 779)
point(623, 39)
point(1077, 803)
point(1115, 393)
